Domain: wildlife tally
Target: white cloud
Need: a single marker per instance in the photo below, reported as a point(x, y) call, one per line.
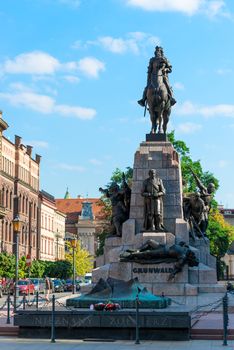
point(77, 45)
point(117, 45)
point(211, 8)
point(133, 42)
point(222, 163)
point(41, 64)
point(35, 62)
point(75, 111)
point(31, 100)
point(95, 161)
point(178, 86)
point(46, 104)
point(71, 167)
point(72, 79)
point(224, 71)
point(37, 143)
point(188, 108)
point(188, 128)
point(91, 66)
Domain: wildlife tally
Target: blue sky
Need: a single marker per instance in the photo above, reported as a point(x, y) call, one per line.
point(71, 72)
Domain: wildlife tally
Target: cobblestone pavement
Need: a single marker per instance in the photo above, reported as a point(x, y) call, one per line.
point(34, 344)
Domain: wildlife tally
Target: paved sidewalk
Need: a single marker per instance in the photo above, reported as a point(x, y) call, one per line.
point(34, 344)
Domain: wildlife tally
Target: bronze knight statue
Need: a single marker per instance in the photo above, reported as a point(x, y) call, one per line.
point(158, 93)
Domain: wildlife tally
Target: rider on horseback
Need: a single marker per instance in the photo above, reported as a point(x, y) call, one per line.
point(159, 60)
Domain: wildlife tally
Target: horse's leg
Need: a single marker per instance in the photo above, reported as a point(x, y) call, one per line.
point(150, 101)
point(166, 116)
point(164, 97)
point(160, 113)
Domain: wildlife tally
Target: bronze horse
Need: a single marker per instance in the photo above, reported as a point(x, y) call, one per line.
point(158, 100)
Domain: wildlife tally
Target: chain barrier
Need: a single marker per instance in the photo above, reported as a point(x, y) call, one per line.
point(204, 313)
point(59, 303)
point(177, 302)
point(2, 307)
point(206, 305)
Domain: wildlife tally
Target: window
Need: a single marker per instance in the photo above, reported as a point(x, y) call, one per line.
point(7, 198)
point(6, 231)
point(3, 196)
point(11, 200)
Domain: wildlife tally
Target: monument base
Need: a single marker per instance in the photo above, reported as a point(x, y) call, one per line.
point(115, 325)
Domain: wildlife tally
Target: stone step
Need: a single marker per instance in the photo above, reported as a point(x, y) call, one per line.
point(9, 331)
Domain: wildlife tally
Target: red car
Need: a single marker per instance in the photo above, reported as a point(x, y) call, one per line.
point(26, 287)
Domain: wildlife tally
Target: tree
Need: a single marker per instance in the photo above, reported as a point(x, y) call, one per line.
point(23, 268)
point(189, 184)
point(37, 268)
point(219, 232)
point(58, 269)
point(83, 260)
point(7, 265)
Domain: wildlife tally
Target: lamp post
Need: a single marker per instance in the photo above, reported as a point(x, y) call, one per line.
point(16, 227)
point(73, 244)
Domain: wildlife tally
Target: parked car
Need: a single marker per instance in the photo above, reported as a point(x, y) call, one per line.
point(88, 278)
point(39, 284)
point(26, 286)
point(58, 286)
point(69, 284)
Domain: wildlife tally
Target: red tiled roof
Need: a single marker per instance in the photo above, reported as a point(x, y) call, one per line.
point(74, 206)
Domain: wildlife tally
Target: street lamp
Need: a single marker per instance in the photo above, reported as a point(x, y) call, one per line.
point(16, 228)
point(73, 245)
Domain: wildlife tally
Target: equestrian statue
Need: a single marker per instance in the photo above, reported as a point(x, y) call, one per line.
point(158, 95)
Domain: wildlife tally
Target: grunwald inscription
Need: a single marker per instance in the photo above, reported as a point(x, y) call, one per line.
point(152, 270)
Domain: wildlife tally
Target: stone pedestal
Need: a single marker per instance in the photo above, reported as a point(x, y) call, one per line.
point(161, 156)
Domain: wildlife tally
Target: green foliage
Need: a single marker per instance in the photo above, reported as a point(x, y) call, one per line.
point(187, 164)
point(23, 268)
point(83, 261)
point(58, 269)
point(7, 265)
point(220, 234)
point(117, 176)
point(37, 268)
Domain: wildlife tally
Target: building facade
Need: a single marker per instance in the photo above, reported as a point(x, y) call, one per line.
point(19, 184)
point(52, 235)
point(84, 217)
point(229, 256)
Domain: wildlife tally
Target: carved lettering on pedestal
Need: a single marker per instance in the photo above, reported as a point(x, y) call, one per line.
point(152, 270)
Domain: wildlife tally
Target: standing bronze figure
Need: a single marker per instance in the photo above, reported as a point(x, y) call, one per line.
point(120, 203)
point(153, 192)
point(197, 207)
point(158, 94)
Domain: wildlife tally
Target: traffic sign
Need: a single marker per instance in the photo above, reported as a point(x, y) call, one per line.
point(28, 260)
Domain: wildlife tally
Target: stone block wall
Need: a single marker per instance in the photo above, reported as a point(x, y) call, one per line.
point(162, 157)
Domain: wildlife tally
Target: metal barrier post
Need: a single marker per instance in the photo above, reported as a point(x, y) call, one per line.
point(24, 301)
point(137, 320)
point(53, 320)
point(225, 319)
point(37, 297)
point(8, 309)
